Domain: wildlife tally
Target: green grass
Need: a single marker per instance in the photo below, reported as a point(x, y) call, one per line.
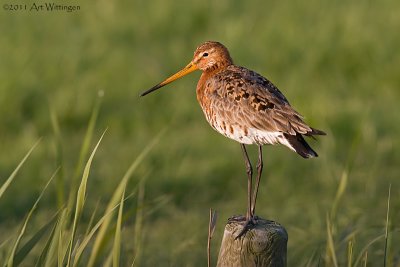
point(336, 61)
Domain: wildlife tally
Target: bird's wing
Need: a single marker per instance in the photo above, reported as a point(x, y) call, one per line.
point(250, 99)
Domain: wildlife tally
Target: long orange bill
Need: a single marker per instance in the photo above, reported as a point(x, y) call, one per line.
point(186, 70)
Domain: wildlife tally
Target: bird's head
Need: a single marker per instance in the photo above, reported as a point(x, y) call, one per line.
point(209, 56)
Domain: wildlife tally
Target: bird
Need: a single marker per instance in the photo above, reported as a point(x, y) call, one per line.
point(244, 106)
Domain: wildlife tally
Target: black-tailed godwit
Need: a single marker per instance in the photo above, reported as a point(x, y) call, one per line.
point(246, 107)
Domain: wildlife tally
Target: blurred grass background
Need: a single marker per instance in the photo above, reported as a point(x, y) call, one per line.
point(336, 61)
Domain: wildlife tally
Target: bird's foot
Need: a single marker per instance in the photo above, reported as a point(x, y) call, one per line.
point(248, 225)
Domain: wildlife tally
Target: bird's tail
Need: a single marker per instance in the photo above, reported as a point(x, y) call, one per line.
point(315, 132)
point(300, 145)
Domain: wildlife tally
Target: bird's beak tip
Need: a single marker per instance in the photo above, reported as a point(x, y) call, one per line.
point(186, 70)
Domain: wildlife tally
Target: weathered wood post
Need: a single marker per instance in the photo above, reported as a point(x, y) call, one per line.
point(265, 244)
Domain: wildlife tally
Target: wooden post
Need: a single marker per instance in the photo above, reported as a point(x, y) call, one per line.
point(265, 244)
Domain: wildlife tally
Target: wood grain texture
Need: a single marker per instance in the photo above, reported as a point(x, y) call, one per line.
point(265, 244)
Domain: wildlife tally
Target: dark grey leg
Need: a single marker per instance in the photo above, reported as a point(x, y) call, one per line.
point(259, 172)
point(249, 170)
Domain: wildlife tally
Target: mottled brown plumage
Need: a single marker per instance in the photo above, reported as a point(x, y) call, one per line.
point(246, 107)
point(243, 105)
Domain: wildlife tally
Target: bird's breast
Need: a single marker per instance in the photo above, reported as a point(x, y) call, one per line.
point(227, 117)
point(218, 112)
point(204, 92)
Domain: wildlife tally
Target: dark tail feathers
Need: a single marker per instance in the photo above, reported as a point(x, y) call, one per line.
point(315, 132)
point(300, 145)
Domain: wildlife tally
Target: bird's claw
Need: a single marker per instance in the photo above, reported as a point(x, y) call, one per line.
point(249, 224)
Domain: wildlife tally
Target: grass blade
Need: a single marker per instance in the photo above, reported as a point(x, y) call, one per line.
point(80, 198)
point(11, 257)
point(6, 184)
point(350, 253)
point(139, 221)
point(339, 193)
point(331, 246)
point(211, 228)
point(365, 258)
point(117, 239)
point(108, 261)
point(89, 236)
point(47, 257)
point(29, 245)
point(59, 246)
point(115, 199)
point(387, 228)
point(41, 260)
point(59, 155)
point(364, 250)
point(91, 221)
point(84, 152)
point(88, 137)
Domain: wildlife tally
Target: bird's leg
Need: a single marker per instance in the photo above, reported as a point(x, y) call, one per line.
point(249, 214)
point(249, 170)
point(259, 172)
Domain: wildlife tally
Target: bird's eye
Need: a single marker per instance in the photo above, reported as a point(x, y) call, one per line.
point(205, 54)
